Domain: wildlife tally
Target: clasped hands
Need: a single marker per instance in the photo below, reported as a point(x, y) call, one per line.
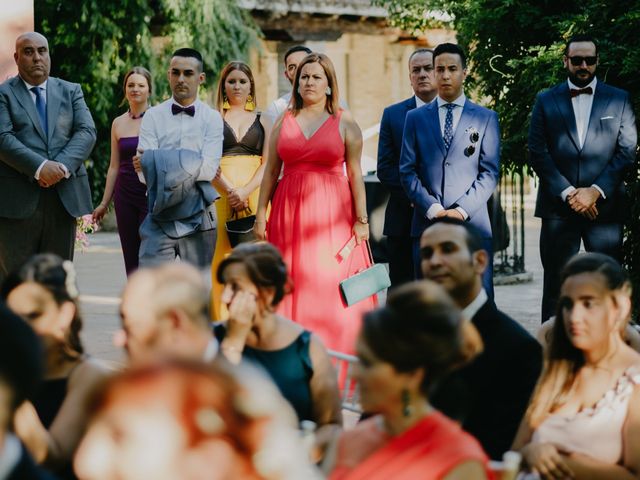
point(51, 173)
point(583, 201)
point(238, 199)
point(451, 213)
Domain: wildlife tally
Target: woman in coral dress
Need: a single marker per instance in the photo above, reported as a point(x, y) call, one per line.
point(317, 210)
point(241, 166)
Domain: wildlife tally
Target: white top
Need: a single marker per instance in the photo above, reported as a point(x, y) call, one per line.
point(202, 133)
point(582, 112)
point(9, 454)
point(457, 112)
point(277, 107)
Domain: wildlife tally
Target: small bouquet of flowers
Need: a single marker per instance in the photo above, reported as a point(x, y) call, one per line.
point(85, 225)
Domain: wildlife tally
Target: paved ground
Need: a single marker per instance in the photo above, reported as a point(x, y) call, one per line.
point(101, 279)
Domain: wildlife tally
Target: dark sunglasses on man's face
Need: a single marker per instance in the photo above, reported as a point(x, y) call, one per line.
point(576, 61)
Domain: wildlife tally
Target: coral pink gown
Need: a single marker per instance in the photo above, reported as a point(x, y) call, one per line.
point(311, 220)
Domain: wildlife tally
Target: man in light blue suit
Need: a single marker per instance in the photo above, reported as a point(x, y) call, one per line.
point(582, 141)
point(450, 157)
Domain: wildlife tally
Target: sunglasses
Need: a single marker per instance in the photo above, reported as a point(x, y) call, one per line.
point(576, 61)
point(471, 149)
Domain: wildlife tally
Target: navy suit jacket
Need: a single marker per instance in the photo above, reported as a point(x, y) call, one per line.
point(608, 150)
point(429, 174)
point(399, 212)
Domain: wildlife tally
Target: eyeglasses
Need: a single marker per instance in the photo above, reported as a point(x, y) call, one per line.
point(576, 61)
point(471, 149)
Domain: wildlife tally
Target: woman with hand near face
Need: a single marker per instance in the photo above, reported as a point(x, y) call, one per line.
point(584, 417)
point(241, 166)
point(255, 281)
point(316, 208)
point(404, 349)
point(122, 183)
point(44, 293)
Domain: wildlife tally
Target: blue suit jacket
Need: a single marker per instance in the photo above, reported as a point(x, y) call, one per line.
point(399, 212)
point(608, 150)
point(429, 174)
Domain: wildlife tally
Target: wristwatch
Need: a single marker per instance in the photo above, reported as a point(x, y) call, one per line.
point(364, 220)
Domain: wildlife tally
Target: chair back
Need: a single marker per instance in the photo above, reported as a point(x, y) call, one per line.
point(349, 392)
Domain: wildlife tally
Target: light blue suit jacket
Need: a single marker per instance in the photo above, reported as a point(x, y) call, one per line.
point(429, 174)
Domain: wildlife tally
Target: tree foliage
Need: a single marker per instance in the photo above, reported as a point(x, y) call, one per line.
point(515, 50)
point(94, 42)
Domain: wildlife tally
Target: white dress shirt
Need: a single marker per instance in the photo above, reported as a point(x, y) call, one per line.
point(43, 86)
point(582, 113)
point(211, 351)
point(277, 107)
point(202, 133)
point(470, 310)
point(442, 115)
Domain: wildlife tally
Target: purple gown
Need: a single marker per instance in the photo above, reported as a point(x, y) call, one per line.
point(130, 201)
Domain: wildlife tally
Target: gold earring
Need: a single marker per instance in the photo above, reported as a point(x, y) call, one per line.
point(249, 105)
point(225, 104)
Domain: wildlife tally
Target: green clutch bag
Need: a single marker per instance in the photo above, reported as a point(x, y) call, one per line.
point(365, 283)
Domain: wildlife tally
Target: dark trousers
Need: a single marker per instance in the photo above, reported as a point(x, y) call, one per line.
point(400, 255)
point(49, 230)
point(130, 213)
point(560, 240)
point(487, 277)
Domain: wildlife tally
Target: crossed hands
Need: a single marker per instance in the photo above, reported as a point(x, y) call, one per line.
point(51, 173)
point(238, 199)
point(451, 212)
point(547, 460)
point(583, 201)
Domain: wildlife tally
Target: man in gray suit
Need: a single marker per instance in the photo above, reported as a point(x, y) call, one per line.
point(582, 140)
point(46, 134)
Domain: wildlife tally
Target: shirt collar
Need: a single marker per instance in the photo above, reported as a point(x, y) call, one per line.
point(592, 84)
point(43, 85)
point(458, 101)
point(173, 100)
point(211, 351)
point(470, 310)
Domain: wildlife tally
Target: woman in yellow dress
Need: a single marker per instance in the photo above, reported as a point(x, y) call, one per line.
point(241, 166)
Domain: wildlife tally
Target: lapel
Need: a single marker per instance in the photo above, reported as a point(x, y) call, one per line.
point(466, 121)
point(601, 99)
point(563, 102)
point(24, 98)
point(433, 125)
point(53, 104)
point(410, 103)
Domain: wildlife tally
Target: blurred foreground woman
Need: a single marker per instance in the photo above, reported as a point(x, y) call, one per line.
point(404, 348)
point(189, 421)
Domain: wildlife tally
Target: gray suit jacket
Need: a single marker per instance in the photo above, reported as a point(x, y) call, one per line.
point(24, 146)
point(608, 152)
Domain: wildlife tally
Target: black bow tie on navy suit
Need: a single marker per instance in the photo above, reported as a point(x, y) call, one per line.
point(176, 109)
point(579, 91)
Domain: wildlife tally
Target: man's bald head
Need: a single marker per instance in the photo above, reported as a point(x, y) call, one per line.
point(32, 57)
point(154, 300)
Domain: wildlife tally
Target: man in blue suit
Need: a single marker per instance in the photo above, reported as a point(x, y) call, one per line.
point(399, 212)
point(582, 140)
point(450, 157)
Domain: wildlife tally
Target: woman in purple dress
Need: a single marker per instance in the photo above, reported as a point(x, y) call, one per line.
point(129, 195)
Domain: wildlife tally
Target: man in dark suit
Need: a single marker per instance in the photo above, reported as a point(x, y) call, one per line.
point(46, 134)
point(450, 155)
point(490, 395)
point(399, 212)
point(582, 140)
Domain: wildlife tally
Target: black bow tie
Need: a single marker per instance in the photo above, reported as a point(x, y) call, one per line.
point(579, 91)
point(176, 109)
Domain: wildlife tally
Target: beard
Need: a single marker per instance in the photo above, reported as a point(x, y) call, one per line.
point(581, 82)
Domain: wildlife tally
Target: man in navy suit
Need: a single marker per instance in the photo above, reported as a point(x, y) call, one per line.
point(582, 140)
point(451, 156)
point(399, 212)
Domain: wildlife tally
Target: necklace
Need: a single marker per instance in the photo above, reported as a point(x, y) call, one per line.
point(135, 117)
